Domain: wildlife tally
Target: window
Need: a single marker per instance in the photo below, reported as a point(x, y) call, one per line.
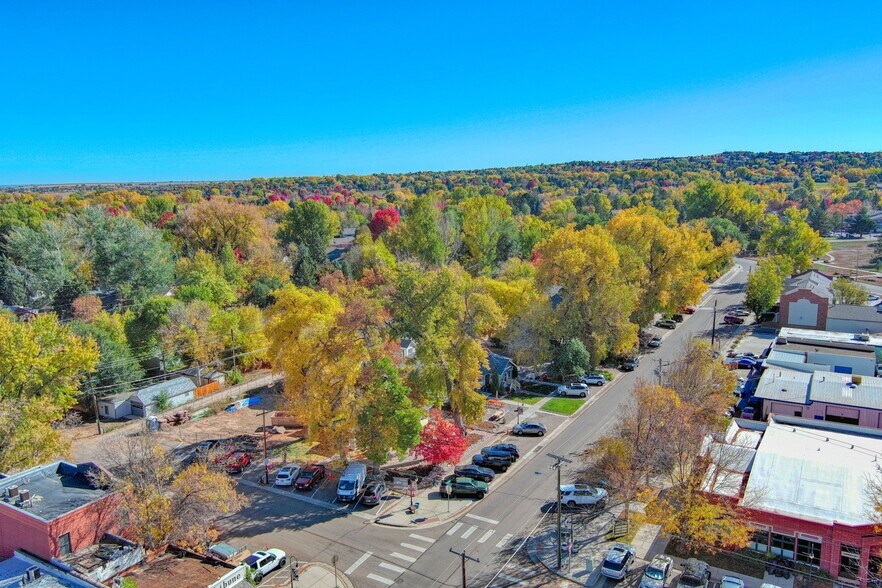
point(760, 540)
point(64, 544)
point(783, 545)
point(808, 551)
point(849, 562)
point(105, 410)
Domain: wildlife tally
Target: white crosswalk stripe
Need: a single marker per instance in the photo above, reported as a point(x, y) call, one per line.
point(482, 519)
point(486, 536)
point(380, 579)
point(454, 528)
point(504, 540)
point(422, 538)
point(393, 567)
point(468, 533)
point(403, 557)
point(414, 547)
point(358, 562)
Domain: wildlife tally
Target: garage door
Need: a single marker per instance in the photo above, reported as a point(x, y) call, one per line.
point(786, 409)
point(843, 414)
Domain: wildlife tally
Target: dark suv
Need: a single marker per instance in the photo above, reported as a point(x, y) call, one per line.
point(630, 364)
point(696, 574)
point(509, 448)
point(497, 461)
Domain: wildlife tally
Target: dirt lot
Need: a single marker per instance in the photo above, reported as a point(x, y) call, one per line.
point(848, 257)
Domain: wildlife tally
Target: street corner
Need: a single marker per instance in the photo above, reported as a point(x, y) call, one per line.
point(307, 575)
point(428, 509)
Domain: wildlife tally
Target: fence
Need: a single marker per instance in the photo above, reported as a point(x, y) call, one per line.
point(206, 389)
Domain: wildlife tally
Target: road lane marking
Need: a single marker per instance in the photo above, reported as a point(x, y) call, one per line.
point(414, 547)
point(468, 533)
point(504, 540)
point(401, 556)
point(358, 562)
point(454, 528)
point(484, 519)
point(392, 567)
point(380, 579)
point(422, 538)
point(486, 536)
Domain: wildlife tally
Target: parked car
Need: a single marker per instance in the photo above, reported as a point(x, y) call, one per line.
point(574, 389)
point(687, 309)
point(373, 493)
point(203, 449)
point(666, 324)
point(497, 461)
point(529, 428)
point(509, 448)
point(741, 312)
point(593, 379)
point(731, 582)
point(617, 561)
point(237, 462)
point(309, 476)
point(574, 495)
point(630, 364)
point(748, 412)
point(696, 574)
point(474, 472)
point(263, 562)
point(286, 475)
point(677, 318)
point(655, 341)
point(657, 572)
point(731, 319)
point(351, 482)
point(462, 486)
point(742, 362)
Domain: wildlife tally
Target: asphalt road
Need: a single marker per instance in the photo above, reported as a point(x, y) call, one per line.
point(493, 530)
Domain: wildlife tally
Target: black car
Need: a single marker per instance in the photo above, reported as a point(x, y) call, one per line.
point(373, 493)
point(696, 574)
point(499, 461)
point(474, 472)
point(463, 487)
point(630, 364)
point(509, 448)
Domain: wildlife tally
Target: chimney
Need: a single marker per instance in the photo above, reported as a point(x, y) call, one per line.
point(34, 574)
point(24, 497)
point(12, 492)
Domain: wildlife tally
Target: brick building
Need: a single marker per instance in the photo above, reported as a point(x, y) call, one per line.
point(807, 302)
point(53, 510)
point(804, 484)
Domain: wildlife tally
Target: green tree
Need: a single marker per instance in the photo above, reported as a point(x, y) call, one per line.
point(201, 277)
point(483, 223)
point(418, 237)
point(848, 292)
point(791, 236)
point(311, 226)
point(722, 228)
point(570, 358)
point(117, 367)
point(388, 418)
point(765, 282)
point(861, 223)
point(43, 364)
point(144, 324)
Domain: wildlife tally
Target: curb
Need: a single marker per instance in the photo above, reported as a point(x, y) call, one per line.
point(293, 496)
point(342, 578)
point(590, 581)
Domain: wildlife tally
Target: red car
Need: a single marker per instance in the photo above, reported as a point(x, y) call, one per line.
point(309, 476)
point(731, 319)
point(237, 462)
point(687, 310)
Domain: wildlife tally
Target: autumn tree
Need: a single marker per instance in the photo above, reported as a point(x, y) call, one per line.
point(702, 382)
point(790, 235)
point(188, 334)
point(765, 282)
point(848, 292)
point(484, 219)
point(43, 364)
point(441, 442)
point(158, 506)
point(597, 302)
point(86, 308)
point(383, 220)
point(419, 237)
point(211, 225)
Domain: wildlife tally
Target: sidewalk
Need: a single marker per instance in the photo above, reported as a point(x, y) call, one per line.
point(321, 575)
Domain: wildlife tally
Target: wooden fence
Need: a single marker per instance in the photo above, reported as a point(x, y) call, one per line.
point(206, 389)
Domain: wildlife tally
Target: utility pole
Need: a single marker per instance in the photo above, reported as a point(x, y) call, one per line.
point(233, 340)
point(558, 466)
point(95, 408)
point(714, 325)
point(464, 557)
point(659, 371)
point(265, 458)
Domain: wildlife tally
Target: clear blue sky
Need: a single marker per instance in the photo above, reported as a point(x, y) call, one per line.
point(188, 90)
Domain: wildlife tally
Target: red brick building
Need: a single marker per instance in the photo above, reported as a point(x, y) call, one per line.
point(805, 301)
point(53, 510)
point(805, 484)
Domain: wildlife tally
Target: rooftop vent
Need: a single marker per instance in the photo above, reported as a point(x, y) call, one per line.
point(12, 492)
point(34, 574)
point(862, 336)
point(856, 380)
point(24, 498)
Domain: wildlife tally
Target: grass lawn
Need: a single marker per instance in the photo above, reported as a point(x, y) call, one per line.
point(525, 398)
point(565, 406)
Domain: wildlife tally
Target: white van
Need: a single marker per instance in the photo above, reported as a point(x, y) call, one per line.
point(351, 482)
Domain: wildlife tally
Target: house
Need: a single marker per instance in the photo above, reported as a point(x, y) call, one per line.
point(203, 377)
point(104, 560)
point(408, 348)
point(21, 312)
point(115, 407)
point(24, 570)
point(499, 373)
point(804, 486)
point(54, 509)
point(171, 393)
point(807, 302)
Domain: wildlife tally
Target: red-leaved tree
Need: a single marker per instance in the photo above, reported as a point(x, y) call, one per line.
point(441, 441)
point(384, 219)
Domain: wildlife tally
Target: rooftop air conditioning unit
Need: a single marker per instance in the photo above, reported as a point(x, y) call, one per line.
point(34, 574)
point(856, 380)
point(12, 492)
point(24, 498)
point(862, 336)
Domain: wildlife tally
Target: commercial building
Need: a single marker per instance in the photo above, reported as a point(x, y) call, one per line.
point(23, 570)
point(807, 302)
point(805, 486)
point(55, 509)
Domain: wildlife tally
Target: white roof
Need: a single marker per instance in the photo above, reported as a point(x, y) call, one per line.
point(828, 337)
point(818, 472)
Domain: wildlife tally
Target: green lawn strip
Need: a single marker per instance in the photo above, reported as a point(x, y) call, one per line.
point(525, 398)
point(565, 406)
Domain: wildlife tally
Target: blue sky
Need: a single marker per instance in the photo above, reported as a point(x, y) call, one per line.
point(115, 91)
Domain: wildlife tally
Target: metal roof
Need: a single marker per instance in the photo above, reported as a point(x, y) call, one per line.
point(784, 385)
point(827, 338)
point(855, 312)
point(812, 280)
point(172, 388)
point(834, 388)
